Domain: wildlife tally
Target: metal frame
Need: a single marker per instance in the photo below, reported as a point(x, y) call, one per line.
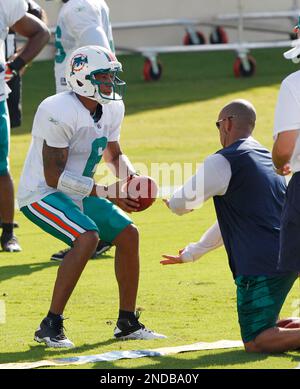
point(241, 21)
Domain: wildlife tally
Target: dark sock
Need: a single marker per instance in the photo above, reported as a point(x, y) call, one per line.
point(55, 317)
point(127, 315)
point(7, 228)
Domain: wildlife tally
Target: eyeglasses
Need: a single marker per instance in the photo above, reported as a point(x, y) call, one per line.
point(218, 123)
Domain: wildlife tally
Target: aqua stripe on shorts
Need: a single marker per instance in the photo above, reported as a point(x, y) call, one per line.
point(4, 138)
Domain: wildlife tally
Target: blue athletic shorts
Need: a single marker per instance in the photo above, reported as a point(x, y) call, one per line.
point(259, 301)
point(58, 215)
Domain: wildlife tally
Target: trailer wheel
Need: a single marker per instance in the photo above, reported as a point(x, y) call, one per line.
point(149, 74)
point(218, 35)
point(239, 69)
point(187, 39)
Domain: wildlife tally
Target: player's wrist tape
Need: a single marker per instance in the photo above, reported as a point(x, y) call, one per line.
point(74, 184)
point(17, 64)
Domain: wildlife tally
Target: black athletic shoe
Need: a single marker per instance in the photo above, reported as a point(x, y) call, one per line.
point(52, 334)
point(101, 249)
point(9, 243)
point(125, 330)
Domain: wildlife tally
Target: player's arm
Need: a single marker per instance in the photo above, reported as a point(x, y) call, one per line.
point(56, 176)
point(210, 240)
point(286, 126)
point(283, 149)
point(118, 162)
point(54, 161)
point(211, 179)
point(38, 35)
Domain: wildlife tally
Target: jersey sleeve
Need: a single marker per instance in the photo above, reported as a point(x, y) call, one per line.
point(15, 10)
point(49, 127)
point(288, 101)
point(117, 116)
point(211, 179)
point(210, 240)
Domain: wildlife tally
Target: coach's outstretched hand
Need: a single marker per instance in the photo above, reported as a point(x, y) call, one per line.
point(173, 259)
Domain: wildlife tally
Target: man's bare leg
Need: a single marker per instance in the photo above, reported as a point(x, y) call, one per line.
point(51, 330)
point(7, 209)
point(127, 267)
point(71, 268)
point(275, 340)
point(7, 206)
point(127, 275)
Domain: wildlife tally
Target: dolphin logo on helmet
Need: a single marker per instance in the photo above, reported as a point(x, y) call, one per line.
point(78, 62)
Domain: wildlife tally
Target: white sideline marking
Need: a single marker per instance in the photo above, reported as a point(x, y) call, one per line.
point(131, 354)
point(2, 312)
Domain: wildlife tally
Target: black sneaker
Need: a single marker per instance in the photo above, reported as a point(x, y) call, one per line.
point(101, 249)
point(9, 243)
point(126, 329)
point(52, 334)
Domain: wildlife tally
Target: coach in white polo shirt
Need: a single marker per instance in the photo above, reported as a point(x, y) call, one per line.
point(286, 158)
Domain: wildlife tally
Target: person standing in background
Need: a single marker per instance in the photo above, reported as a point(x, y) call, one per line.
point(80, 23)
point(14, 15)
point(14, 101)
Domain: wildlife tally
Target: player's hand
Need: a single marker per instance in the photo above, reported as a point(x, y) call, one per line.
point(117, 195)
point(284, 170)
point(127, 205)
point(172, 259)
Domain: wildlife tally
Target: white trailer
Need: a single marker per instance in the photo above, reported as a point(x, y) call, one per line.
point(194, 41)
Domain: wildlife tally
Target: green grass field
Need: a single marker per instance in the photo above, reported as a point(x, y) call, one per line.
point(169, 121)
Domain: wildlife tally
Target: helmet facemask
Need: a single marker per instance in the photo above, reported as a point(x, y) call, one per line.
point(116, 86)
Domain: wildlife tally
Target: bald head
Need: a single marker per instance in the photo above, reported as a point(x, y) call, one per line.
point(244, 115)
point(236, 120)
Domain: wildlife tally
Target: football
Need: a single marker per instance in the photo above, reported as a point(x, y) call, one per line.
point(144, 189)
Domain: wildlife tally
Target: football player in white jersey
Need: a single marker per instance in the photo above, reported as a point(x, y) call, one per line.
point(13, 15)
point(80, 23)
point(71, 131)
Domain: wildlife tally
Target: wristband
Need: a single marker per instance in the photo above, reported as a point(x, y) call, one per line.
point(17, 64)
point(74, 184)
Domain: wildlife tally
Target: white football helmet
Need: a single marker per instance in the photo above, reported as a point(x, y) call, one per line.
point(294, 53)
point(84, 63)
